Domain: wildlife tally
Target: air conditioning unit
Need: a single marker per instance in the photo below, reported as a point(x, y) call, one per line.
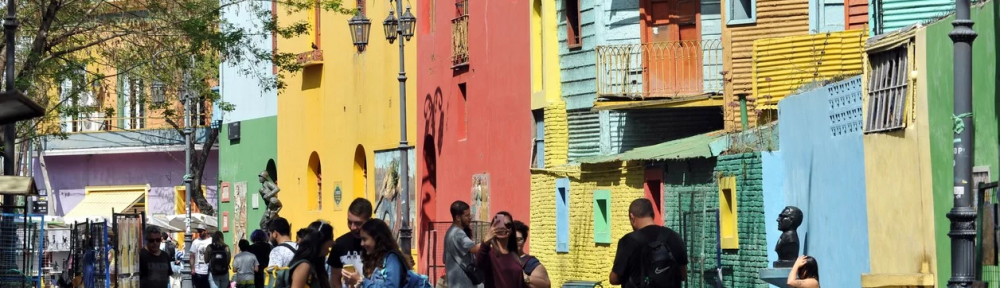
point(234, 131)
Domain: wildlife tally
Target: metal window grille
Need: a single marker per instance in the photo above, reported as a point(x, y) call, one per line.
point(887, 87)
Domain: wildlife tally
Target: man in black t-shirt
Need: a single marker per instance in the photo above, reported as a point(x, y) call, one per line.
point(347, 249)
point(154, 264)
point(628, 267)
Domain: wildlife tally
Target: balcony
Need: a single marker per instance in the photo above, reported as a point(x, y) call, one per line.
point(460, 41)
point(670, 70)
point(94, 123)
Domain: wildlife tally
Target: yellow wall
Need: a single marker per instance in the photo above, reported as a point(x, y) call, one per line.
point(897, 210)
point(783, 65)
point(351, 99)
point(545, 75)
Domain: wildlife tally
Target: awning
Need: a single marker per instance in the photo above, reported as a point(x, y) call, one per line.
point(685, 148)
point(102, 204)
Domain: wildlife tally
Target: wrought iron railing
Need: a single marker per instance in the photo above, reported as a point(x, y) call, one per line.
point(460, 40)
point(660, 70)
point(95, 123)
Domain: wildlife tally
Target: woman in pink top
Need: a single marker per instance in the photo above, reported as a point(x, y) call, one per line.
point(498, 258)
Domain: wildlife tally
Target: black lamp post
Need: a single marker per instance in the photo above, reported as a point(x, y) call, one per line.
point(360, 29)
point(402, 28)
point(962, 214)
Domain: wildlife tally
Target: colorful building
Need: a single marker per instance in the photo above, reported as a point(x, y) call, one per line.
point(338, 119)
point(481, 92)
point(248, 139)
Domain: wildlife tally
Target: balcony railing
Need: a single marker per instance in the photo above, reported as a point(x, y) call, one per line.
point(660, 70)
point(460, 40)
point(90, 123)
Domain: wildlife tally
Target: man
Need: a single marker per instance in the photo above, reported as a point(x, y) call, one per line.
point(170, 247)
point(198, 253)
point(245, 266)
point(459, 249)
point(154, 264)
point(262, 250)
point(651, 255)
point(284, 249)
point(347, 249)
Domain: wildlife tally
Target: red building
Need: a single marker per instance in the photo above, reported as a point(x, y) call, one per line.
point(474, 114)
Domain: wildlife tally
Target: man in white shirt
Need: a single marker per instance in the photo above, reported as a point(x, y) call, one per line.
point(284, 249)
point(200, 272)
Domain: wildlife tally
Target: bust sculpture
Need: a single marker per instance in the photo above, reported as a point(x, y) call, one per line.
point(269, 191)
point(788, 243)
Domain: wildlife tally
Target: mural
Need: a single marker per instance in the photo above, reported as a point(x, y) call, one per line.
point(481, 197)
point(240, 209)
point(389, 196)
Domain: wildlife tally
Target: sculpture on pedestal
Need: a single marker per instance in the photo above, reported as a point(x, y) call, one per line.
point(788, 243)
point(269, 191)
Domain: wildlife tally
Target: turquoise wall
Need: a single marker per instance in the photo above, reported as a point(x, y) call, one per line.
point(940, 103)
point(901, 13)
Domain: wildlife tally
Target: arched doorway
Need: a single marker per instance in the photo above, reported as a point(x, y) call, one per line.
point(272, 170)
point(360, 173)
point(314, 183)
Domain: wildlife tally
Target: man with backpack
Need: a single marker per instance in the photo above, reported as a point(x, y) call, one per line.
point(284, 248)
point(218, 261)
point(651, 255)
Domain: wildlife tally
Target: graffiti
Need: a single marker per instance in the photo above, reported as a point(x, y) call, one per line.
point(389, 194)
point(481, 197)
point(240, 210)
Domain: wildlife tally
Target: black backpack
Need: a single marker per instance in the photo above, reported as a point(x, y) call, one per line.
point(659, 267)
point(219, 260)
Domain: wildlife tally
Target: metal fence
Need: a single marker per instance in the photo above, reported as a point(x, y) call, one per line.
point(434, 236)
point(90, 247)
point(695, 215)
point(21, 252)
point(662, 69)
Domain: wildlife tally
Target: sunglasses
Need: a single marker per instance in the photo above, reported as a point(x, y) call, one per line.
point(154, 240)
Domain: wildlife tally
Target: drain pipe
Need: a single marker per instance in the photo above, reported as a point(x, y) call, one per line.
point(962, 215)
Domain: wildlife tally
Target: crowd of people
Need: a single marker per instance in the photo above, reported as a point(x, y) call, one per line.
point(369, 256)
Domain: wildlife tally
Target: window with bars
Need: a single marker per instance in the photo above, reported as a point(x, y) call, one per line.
point(887, 88)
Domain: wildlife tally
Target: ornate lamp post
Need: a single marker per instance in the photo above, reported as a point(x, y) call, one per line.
point(962, 214)
point(402, 28)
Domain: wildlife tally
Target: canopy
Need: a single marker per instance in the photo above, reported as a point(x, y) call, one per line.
point(101, 204)
point(162, 222)
point(177, 220)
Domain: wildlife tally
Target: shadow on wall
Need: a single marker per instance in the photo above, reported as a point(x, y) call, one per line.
point(434, 118)
point(272, 170)
point(312, 77)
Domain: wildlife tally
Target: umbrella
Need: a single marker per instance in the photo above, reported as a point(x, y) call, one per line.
point(177, 220)
point(161, 221)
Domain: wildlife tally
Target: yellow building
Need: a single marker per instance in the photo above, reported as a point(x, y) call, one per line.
point(336, 113)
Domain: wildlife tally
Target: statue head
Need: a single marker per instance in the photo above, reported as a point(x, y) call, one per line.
point(789, 219)
point(263, 177)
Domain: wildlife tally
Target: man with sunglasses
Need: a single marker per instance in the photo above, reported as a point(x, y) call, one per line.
point(347, 249)
point(154, 264)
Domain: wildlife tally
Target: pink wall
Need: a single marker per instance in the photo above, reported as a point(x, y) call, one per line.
point(488, 132)
point(68, 176)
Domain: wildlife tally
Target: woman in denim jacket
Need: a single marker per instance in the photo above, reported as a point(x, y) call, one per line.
point(384, 264)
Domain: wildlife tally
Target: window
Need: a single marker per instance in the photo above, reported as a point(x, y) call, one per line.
point(133, 106)
point(460, 34)
point(538, 160)
point(463, 125)
point(728, 224)
point(562, 215)
point(572, 11)
point(826, 15)
point(653, 187)
point(887, 88)
point(741, 12)
point(602, 217)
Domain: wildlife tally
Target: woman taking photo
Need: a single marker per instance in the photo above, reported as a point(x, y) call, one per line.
point(498, 257)
point(805, 273)
point(384, 265)
point(307, 266)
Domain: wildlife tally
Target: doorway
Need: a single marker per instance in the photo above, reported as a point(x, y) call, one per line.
point(672, 53)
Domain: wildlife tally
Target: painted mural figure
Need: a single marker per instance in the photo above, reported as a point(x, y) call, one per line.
point(269, 191)
point(788, 243)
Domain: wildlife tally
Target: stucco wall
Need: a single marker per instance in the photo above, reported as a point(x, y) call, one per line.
point(940, 110)
point(773, 165)
point(69, 175)
point(242, 161)
point(903, 154)
point(825, 170)
point(240, 82)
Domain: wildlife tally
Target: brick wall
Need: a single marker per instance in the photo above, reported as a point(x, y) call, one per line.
point(690, 189)
point(556, 134)
point(740, 267)
point(586, 260)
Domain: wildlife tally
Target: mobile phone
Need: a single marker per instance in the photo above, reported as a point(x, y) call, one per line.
point(498, 221)
point(350, 268)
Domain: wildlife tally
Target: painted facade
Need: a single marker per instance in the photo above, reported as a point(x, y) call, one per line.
point(337, 112)
point(890, 15)
point(242, 157)
point(782, 66)
point(824, 169)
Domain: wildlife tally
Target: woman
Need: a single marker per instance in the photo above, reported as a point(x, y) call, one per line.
point(262, 249)
point(805, 273)
point(534, 272)
point(218, 244)
point(307, 266)
point(384, 264)
point(498, 257)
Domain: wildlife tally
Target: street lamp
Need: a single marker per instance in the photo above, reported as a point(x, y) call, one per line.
point(962, 214)
point(360, 29)
point(402, 28)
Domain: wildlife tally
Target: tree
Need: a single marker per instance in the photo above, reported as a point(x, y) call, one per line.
point(69, 50)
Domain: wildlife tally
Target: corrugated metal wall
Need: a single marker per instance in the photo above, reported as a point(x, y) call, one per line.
point(782, 65)
point(577, 68)
point(856, 14)
point(890, 15)
point(775, 18)
point(584, 133)
point(630, 129)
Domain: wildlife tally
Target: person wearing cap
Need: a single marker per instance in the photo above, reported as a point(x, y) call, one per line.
point(198, 249)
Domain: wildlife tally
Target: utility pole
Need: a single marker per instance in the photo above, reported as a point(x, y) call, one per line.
point(186, 100)
point(962, 214)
